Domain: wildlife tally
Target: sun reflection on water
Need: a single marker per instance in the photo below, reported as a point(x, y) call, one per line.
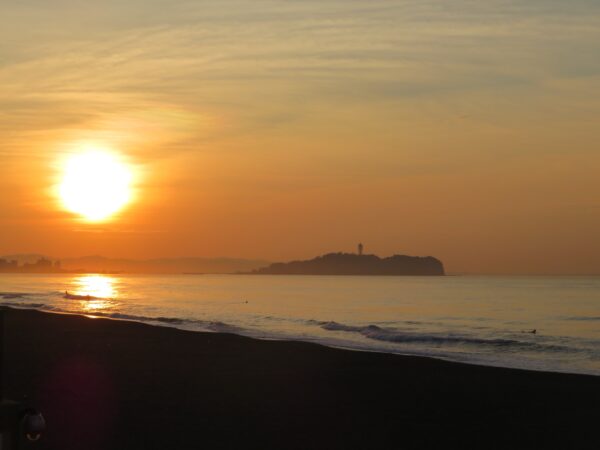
point(101, 290)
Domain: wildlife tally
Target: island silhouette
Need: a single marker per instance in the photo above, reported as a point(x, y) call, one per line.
point(328, 264)
point(356, 264)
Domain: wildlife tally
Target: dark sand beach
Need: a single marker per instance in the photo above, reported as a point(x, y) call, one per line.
point(105, 384)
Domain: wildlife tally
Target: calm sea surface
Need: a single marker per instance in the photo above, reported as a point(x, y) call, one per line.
point(482, 320)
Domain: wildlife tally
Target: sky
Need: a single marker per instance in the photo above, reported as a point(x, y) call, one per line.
point(280, 130)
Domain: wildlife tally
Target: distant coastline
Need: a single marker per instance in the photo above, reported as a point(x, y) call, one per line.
point(38, 264)
point(357, 264)
point(41, 265)
point(328, 264)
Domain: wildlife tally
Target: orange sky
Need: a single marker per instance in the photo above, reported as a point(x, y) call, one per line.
point(282, 130)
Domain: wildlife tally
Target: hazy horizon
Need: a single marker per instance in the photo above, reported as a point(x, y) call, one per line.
point(254, 263)
point(284, 130)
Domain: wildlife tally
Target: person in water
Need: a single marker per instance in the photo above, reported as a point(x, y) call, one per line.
point(74, 296)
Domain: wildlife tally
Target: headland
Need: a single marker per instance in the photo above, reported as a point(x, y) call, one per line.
point(357, 264)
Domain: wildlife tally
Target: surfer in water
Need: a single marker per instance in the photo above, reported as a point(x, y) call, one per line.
point(77, 297)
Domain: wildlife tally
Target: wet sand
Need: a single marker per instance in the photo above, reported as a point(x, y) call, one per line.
point(105, 384)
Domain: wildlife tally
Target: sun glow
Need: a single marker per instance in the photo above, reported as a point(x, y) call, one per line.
point(100, 289)
point(95, 184)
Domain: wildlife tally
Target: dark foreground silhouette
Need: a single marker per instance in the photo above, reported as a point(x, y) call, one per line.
point(355, 264)
point(105, 384)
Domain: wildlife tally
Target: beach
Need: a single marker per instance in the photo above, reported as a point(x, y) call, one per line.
point(110, 384)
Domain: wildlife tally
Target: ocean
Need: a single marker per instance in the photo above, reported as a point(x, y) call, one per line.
point(485, 320)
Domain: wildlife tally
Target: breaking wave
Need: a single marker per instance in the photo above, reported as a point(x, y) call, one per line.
point(25, 305)
point(393, 335)
point(221, 327)
point(9, 295)
point(121, 316)
point(585, 319)
point(214, 326)
point(504, 345)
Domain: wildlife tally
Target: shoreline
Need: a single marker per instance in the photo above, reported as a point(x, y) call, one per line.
point(174, 323)
point(105, 383)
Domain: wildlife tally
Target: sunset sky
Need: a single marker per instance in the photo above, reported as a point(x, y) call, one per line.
point(278, 130)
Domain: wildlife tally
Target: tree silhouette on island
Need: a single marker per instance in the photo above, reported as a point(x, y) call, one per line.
point(357, 264)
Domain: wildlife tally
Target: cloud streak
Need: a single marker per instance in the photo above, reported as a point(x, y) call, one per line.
point(245, 99)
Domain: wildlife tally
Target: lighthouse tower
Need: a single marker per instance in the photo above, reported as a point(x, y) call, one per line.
point(360, 249)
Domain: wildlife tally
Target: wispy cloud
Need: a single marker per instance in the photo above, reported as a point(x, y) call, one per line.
point(260, 98)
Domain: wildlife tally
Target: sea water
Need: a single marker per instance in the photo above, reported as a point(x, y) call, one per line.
point(485, 320)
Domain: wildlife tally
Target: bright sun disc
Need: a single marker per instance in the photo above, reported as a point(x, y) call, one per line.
point(95, 185)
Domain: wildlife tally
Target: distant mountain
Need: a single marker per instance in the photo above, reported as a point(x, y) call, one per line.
point(354, 264)
point(162, 265)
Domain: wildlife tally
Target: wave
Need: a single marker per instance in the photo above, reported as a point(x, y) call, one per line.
point(82, 297)
point(334, 324)
point(25, 305)
point(221, 327)
point(209, 326)
point(584, 318)
point(213, 326)
point(392, 335)
point(10, 295)
point(121, 316)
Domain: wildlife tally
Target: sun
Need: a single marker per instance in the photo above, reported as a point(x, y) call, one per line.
point(95, 184)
